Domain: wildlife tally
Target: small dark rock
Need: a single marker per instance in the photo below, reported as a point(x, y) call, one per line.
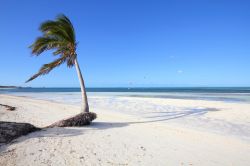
point(143, 148)
point(8, 108)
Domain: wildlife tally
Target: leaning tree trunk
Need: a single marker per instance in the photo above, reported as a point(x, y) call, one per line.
point(81, 119)
point(84, 105)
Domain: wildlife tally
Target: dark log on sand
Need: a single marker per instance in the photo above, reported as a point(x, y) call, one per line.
point(81, 119)
point(9, 108)
point(12, 130)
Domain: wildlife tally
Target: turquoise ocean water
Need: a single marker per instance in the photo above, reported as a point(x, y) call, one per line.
point(227, 94)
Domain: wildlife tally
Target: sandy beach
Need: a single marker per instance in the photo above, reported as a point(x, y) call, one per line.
point(126, 132)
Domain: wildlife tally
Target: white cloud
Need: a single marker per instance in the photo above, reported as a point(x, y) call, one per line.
point(179, 71)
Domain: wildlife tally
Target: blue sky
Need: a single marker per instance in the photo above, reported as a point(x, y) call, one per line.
point(132, 43)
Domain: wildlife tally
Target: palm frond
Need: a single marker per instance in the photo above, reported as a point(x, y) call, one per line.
point(58, 35)
point(64, 51)
point(46, 43)
point(46, 68)
point(66, 23)
point(71, 60)
point(54, 28)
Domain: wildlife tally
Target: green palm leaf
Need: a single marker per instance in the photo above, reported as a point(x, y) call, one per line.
point(46, 68)
point(58, 35)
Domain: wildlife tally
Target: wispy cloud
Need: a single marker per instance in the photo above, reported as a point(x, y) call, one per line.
point(180, 71)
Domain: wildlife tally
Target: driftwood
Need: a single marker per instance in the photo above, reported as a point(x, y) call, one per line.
point(9, 108)
point(12, 130)
point(77, 120)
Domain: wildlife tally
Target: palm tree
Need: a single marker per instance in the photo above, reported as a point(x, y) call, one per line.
point(59, 36)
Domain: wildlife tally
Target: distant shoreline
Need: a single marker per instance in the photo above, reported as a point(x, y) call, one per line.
point(8, 87)
point(133, 89)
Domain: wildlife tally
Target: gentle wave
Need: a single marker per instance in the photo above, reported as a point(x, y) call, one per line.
point(226, 94)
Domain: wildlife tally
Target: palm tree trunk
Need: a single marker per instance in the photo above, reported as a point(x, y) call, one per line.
point(85, 105)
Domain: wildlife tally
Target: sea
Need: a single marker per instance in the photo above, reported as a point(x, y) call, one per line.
point(72, 95)
point(139, 105)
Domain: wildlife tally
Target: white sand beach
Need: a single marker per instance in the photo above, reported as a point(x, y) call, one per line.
point(131, 131)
